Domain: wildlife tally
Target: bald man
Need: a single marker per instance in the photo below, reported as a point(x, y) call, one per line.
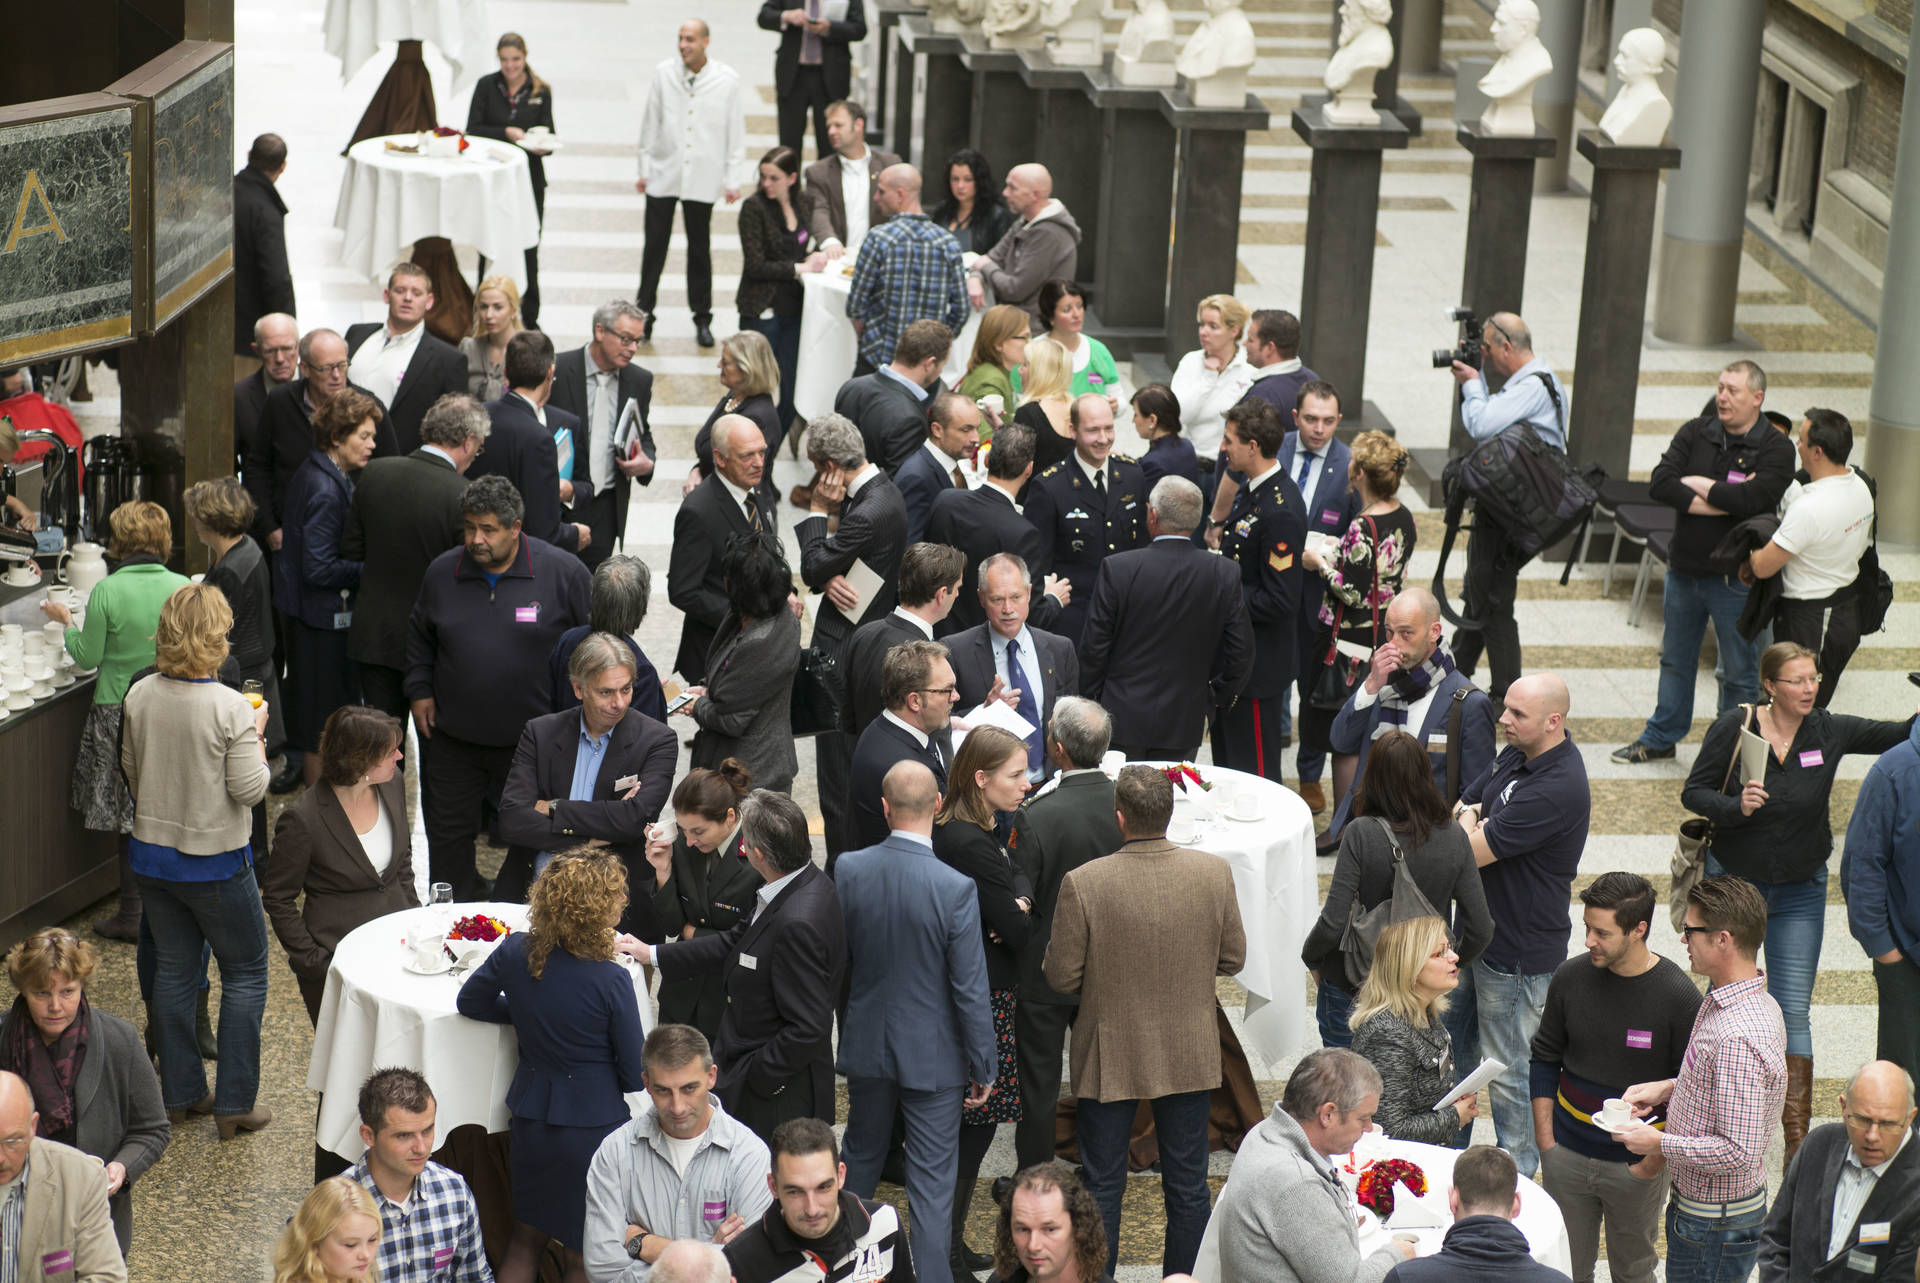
point(909, 270)
point(53, 1201)
point(1849, 1207)
point(1042, 244)
point(1526, 819)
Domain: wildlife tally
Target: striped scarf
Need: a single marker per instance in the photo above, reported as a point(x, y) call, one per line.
point(1408, 687)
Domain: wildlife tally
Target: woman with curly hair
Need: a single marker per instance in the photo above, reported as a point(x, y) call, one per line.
point(1396, 1026)
point(973, 209)
point(578, 1021)
point(1050, 1227)
point(333, 1238)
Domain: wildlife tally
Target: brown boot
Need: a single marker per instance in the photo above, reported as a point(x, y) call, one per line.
point(125, 923)
point(1313, 795)
point(1798, 1110)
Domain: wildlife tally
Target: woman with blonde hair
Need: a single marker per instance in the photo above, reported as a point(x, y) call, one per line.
point(506, 104)
point(118, 640)
point(496, 319)
point(751, 377)
point(1396, 1026)
point(1046, 400)
point(333, 1238)
point(1212, 379)
point(999, 350)
point(578, 1021)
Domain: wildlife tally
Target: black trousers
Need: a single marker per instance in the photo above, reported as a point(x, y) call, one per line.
point(833, 756)
point(599, 515)
point(695, 216)
point(1246, 737)
point(1831, 631)
point(809, 92)
point(1154, 753)
point(1491, 583)
point(465, 776)
point(761, 1114)
point(1039, 1039)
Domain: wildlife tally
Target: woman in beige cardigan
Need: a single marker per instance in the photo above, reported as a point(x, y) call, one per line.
point(194, 753)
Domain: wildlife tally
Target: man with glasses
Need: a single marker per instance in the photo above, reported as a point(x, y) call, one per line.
point(1530, 393)
point(54, 1221)
point(276, 341)
point(734, 499)
point(596, 383)
point(1849, 1207)
point(918, 687)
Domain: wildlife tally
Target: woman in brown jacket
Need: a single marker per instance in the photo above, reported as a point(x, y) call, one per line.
point(345, 842)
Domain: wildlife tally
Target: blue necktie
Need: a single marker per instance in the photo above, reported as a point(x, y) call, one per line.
point(1306, 466)
point(1026, 706)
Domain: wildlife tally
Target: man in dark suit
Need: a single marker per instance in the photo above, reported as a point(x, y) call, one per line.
point(405, 366)
point(872, 537)
point(1167, 636)
point(406, 512)
point(916, 1034)
point(605, 458)
point(891, 405)
point(1265, 533)
point(262, 281)
point(1062, 827)
point(522, 447)
point(953, 434)
point(814, 66)
point(1005, 659)
point(1849, 1208)
point(284, 438)
point(598, 773)
point(277, 344)
point(854, 167)
point(917, 686)
point(929, 583)
point(985, 521)
point(734, 499)
point(785, 963)
point(1089, 505)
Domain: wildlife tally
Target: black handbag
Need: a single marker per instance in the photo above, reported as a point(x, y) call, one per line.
point(819, 702)
point(1364, 926)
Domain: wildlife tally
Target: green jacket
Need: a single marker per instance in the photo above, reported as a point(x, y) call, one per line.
point(122, 613)
point(983, 379)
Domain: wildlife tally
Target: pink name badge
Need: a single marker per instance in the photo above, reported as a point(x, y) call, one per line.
point(1640, 1039)
point(1735, 478)
point(1812, 757)
point(56, 1262)
point(713, 1209)
point(1330, 515)
point(442, 1258)
point(526, 614)
point(1096, 381)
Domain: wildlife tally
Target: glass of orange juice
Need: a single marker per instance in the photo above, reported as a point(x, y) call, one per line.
point(251, 689)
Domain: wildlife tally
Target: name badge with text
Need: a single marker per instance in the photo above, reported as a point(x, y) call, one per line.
point(750, 962)
point(626, 782)
point(527, 614)
point(1861, 1262)
point(1876, 1231)
point(56, 1262)
point(1811, 758)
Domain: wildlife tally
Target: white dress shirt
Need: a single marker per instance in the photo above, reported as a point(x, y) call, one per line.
point(1028, 679)
point(1099, 477)
point(1315, 474)
point(856, 191)
point(925, 627)
point(693, 132)
point(539, 411)
point(765, 895)
point(382, 360)
point(946, 461)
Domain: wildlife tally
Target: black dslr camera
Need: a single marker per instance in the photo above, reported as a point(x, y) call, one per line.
point(1468, 351)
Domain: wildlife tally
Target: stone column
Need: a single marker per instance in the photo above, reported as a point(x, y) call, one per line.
point(1206, 205)
point(1707, 200)
point(1066, 133)
point(1560, 24)
point(1418, 39)
point(1002, 118)
point(884, 90)
point(1893, 441)
point(929, 73)
point(1134, 212)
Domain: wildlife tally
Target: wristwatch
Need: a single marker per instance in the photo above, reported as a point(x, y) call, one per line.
point(1214, 523)
point(633, 1244)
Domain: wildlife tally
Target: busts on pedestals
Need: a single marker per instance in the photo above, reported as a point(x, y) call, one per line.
point(1523, 61)
point(1218, 56)
point(1366, 45)
point(1639, 113)
point(1078, 33)
point(1145, 55)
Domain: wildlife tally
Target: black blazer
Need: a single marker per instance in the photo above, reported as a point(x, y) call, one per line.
point(409, 510)
point(759, 407)
point(891, 420)
point(316, 851)
point(710, 893)
point(873, 529)
point(520, 449)
point(282, 443)
point(1793, 1242)
point(570, 394)
point(249, 399)
point(990, 222)
point(971, 653)
point(921, 481)
point(1167, 638)
point(491, 111)
point(639, 749)
point(836, 60)
point(435, 370)
point(778, 1024)
point(262, 281)
point(981, 523)
point(1064, 827)
point(882, 745)
point(707, 518)
point(1077, 532)
point(866, 651)
point(1004, 927)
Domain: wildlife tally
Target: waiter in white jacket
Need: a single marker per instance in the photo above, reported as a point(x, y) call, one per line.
point(693, 150)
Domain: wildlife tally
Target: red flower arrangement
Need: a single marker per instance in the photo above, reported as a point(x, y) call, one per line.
point(447, 131)
point(479, 927)
point(1375, 1188)
point(1185, 774)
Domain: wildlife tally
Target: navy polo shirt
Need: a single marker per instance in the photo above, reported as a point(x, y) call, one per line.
point(1536, 826)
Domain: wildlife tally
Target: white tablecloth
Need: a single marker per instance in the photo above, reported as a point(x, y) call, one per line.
point(483, 199)
point(829, 346)
point(1540, 1218)
point(355, 29)
point(377, 1014)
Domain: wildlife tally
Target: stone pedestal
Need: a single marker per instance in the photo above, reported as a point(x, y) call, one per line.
point(1206, 205)
point(1613, 297)
point(1144, 73)
point(1134, 212)
point(883, 91)
point(929, 73)
point(1066, 139)
point(1499, 216)
point(1001, 117)
point(1343, 211)
point(1080, 40)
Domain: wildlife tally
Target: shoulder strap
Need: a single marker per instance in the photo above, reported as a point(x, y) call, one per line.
point(1454, 715)
point(1553, 395)
point(1393, 839)
point(1733, 759)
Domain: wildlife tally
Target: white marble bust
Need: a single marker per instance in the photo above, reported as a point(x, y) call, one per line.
point(1078, 33)
point(1366, 45)
point(1639, 113)
point(1145, 55)
point(1523, 61)
point(1218, 56)
point(1014, 24)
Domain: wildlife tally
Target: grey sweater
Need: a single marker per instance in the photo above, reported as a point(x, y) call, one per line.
point(1416, 1065)
point(1284, 1217)
point(1443, 869)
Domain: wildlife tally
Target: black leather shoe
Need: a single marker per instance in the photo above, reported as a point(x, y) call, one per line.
point(702, 334)
point(1002, 1189)
point(286, 779)
point(646, 328)
point(965, 1261)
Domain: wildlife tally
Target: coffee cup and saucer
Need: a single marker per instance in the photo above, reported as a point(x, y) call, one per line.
point(1244, 807)
point(428, 957)
point(1614, 1115)
point(22, 574)
point(1183, 830)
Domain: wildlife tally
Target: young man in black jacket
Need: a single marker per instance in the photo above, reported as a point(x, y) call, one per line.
point(816, 1229)
point(1484, 1242)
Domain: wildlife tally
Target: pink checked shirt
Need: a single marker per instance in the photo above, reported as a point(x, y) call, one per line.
point(1728, 1095)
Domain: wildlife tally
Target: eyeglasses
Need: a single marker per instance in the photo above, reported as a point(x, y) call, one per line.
point(14, 1144)
point(1805, 683)
point(1861, 1123)
point(335, 368)
point(1703, 931)
point(948, 691)
point(623, 339)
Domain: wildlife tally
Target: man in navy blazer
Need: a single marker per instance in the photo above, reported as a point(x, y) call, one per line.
point(917, 1032)
point(891, 405)
point(987, 520)
point(1273, 350)
point(1004, 654)
point(953, 434)
point(1411, 671)
point(600, 473)
point(522, 447)
point(918, 689)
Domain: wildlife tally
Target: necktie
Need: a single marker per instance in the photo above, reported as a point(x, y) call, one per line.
point(1025, 706)
point(753, 511)
point(809, 42)
point(959, 478)
point(1306, 466)
point(1100, 485)
point(602, 469)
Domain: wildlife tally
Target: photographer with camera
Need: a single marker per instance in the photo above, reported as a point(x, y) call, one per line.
point(1531, 394)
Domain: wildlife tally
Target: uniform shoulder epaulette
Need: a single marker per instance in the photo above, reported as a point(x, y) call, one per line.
point(1051, 470)
point(1117, 457)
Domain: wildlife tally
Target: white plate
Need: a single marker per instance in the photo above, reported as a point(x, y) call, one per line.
point(544, 143)
point(1255, 818)
point(1608, 1128)
point(419, 971)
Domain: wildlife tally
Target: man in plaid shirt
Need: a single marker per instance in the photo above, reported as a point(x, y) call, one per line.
point(910, 269)
point(1722, 1108)
point(429, 1227)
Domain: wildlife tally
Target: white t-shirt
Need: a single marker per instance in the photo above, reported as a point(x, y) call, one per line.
point(377, 842)
point(1826, 527)
point(681, 1151)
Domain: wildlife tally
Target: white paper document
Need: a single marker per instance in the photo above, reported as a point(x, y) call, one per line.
point(1470, 1085)
point(998, 713)
point(865, 581)
point(629, 431)
point(1753, 757)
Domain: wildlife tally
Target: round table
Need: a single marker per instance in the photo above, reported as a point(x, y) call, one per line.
point(355, 29)
point(482, 198)
point(376, 1014)
point(829, 347)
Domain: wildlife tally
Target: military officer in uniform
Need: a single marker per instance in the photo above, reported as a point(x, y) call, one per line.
point(1091, 503)
point(1264, 533)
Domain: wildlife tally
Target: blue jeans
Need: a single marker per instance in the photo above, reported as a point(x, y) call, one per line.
point(1796, 925)
point(1180, 1127)
point(1690, 600)
point(146, 964)
point(1331, 1009)
point(1510, 1003)
point(783, 335)
point(1712, 1249)
point(186, 917)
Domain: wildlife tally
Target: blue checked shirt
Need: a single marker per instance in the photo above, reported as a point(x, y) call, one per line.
point(909, 270)
point(12, 1221)
point(436, 1238)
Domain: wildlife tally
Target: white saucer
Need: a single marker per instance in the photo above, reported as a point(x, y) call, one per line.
point(1608, 1128)
point(548, 143)
point(420, 971)
point(1243, 819)
point(1192, 841)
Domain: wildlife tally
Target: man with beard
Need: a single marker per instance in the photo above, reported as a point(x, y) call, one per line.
point(815, 1220)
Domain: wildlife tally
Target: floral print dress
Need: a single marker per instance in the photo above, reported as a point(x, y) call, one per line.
point(1368, 567)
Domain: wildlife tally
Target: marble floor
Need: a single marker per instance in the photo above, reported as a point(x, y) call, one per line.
point(211, 1210)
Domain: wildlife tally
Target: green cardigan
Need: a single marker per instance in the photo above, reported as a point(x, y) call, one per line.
point(1099, 366)
point(983, 379)
point(123, 611)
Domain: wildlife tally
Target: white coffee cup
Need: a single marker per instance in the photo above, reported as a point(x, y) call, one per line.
point(59, 595)
point(1181, 827)
point(1246, 805)
point(1616, 1112)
